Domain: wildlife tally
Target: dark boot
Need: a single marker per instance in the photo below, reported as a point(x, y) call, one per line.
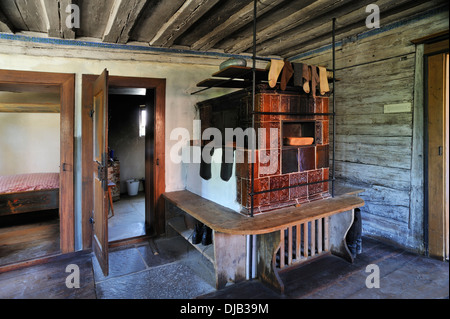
point(197, 234)
point(358, 231)
point(206, 236)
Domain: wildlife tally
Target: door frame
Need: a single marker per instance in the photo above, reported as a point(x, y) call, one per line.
point(154, 169)
point(66, 84)
point(435, 189)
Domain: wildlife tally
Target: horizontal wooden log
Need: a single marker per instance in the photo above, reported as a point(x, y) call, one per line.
point(354, 173)
point(382, 155)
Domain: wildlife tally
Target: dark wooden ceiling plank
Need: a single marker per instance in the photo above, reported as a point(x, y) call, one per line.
point(286, 39)
point(234, 23)
point(5, 25)
point(354, 20)
point(94, 17)
point(153, 17)
point(11, 11)
point(67, 32)
point(51, 9)
point(216, 16)
point(187, 15)
point(278, 21)
point(122, 19)
point(32, 14)
point(348, 30)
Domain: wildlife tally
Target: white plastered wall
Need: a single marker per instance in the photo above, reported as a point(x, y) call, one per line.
point(181, 78)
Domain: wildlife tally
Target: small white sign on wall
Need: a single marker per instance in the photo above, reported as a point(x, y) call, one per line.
point(397, 108)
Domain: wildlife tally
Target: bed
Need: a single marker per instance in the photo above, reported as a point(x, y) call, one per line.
point(28, 193)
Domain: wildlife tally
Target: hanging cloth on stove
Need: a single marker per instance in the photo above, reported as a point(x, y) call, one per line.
point(226, 168)
point(298, 74)
point(324, 86)
point(306, 74)
point(315, 80)
point(286, 74)
point(205, 164)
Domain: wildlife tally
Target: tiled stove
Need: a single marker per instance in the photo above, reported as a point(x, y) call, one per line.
point(279, 164)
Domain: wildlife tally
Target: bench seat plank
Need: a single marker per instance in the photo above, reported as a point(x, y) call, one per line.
point(225, 220)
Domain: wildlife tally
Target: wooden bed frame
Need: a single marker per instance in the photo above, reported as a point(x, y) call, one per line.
point(30, 201)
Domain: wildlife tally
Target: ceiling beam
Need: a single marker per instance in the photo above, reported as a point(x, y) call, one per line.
point(55, 18)
point(346, 28)
point(315, 20)
point(282, 21)
point(234, 23)
point(51, 17)
point(5, 25)
point(123, 17)
point(186, 16)
point(32, 15)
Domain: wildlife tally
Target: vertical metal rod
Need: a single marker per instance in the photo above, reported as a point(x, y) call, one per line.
point(253, 108)
point(334, 105)
point(253, 139)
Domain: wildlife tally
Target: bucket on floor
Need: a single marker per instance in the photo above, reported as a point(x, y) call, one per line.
point(132, 187)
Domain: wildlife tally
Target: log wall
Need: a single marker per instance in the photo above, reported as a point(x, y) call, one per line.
point(379, 146)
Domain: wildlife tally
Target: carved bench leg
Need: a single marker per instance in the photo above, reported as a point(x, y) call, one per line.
point(339, 227)
point(268, 245)
point(230, 258)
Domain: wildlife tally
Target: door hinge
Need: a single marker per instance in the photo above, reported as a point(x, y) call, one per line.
point(101, 172)
point(91, 220)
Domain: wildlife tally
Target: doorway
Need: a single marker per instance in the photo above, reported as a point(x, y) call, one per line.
point(127, 126)
point(36, 204)
point(152, 183)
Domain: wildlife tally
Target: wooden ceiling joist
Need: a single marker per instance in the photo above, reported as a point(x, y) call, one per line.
point(233, 23)
point(187, 15)
point(285, 28)
point(122, 19)
point(5, 24)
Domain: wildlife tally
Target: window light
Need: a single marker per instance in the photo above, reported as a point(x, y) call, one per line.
point(142, 120)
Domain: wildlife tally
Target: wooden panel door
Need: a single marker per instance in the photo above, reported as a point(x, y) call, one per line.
point(437, 88)
point(100, 169)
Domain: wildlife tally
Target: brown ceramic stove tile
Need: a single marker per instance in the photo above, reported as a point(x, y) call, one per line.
point(307, 160)
point(323, 157)
point(279, 182)
point(289, 161)
point(298, 179)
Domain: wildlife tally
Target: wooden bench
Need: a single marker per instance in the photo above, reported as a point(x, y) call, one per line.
point(310, 230)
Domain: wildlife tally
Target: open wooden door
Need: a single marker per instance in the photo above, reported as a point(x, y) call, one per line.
point(100, 171)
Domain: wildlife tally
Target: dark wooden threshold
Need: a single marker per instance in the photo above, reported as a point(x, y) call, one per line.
point(42, 260)
point(129, 241)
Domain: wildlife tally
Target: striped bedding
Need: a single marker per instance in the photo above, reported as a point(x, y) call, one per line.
point(28, 182)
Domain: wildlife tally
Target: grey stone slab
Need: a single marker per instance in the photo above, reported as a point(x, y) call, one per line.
point(121, 262)
point(171, 281)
